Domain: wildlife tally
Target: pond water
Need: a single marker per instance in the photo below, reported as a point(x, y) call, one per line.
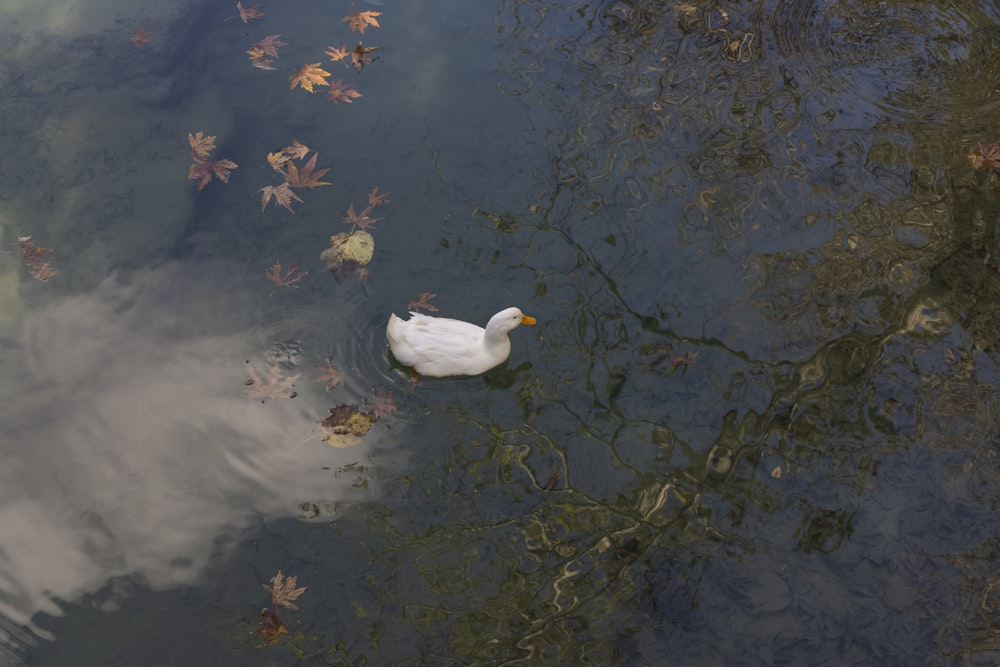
point(755, 423)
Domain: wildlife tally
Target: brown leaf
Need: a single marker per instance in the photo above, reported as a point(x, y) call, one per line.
point(248, 13)
point(361, 21)
point(281, 193)
point(304, 177)
point(310, 75)
point(269, 45)
point(201, 145)
point(364, 221)
point(203, 170)
point(141, 38)
point(340, 92)
point(337, 54)
point(291, 275)
point(329, 374)
point(359, 56)
point(422, 302)
point(274, 386)
point(376, 198)
point(381, 405)
point(283, 591)
point(40, 269)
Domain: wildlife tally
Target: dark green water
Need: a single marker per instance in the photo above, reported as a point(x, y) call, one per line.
point(755, 424)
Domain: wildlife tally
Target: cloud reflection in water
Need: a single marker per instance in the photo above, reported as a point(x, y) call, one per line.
point(132, 448)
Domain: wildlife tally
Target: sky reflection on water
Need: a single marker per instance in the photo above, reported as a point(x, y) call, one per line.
point(776, 191)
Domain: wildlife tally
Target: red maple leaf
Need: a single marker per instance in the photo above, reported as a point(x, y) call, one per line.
point(141, 38)
point(289, 278)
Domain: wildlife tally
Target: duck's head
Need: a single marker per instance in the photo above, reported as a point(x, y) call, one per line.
point(508, 319)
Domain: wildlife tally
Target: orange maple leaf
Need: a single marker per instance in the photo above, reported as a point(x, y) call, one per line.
point(281, 193)
point(296, 151)
point(203, 170)
point(304, 177)
point(310, 75)
point(337, 54)
point(364, 221)
point(201, 145)
point(361, 21)
point(251, 12)
point(340, 92)
point(141, 38)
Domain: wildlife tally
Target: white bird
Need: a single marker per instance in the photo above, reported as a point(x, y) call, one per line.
point(439, 347)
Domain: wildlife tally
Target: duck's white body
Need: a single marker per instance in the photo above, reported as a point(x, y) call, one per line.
point(439, 347)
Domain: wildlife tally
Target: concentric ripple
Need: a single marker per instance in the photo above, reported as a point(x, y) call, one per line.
point(913, 61)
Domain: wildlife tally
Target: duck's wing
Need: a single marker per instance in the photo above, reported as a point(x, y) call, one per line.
point(433, 345)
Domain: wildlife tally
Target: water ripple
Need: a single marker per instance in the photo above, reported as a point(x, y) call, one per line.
point(916, 62)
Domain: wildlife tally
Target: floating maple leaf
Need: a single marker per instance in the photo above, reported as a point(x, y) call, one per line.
point(988, 157)
point(423, 302)
point(269, 45)
point(329, 374)
point(304, 177)
point(201, 145)
point(141, 38)
point(361, 21)
point(40, 269)
point(381, 405)
point(296, 151)
point(376, 198)
point(364, 220)
point(683, 361)
point(337, 54)
point(310, 75)
point(271, 625)
point(283, 591)
point(289, 278)
point(340, 92)
point(274, 386)
point(281, 193)
point(248, 13)
point(359, 56)
point(203, 170)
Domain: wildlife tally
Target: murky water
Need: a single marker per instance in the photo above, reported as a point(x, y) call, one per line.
point(755, 425)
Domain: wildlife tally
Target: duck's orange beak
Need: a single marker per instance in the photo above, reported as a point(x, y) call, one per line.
point(527, 320)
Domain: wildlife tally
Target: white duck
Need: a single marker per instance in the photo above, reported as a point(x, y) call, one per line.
point(439, 347)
